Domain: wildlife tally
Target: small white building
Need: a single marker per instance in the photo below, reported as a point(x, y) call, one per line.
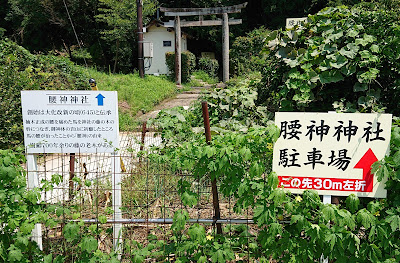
point(163, 40)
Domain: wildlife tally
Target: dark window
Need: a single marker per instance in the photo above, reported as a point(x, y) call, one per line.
point(167, 43)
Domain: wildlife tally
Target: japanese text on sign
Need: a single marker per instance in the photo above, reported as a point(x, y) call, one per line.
point(70, 121)
point(331, 152)
point(292, 22)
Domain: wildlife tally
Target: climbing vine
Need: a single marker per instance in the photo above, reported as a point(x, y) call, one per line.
point(345, 58)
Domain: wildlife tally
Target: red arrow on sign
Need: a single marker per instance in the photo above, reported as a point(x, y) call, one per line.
point(365, 163)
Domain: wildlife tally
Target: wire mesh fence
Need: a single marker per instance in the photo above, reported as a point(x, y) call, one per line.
point(134, 209)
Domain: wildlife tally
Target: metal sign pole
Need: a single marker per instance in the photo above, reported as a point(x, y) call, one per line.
point(326, 199)
point(33, 181)
point(117, 201)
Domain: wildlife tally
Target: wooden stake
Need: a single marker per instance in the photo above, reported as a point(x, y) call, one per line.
point(217, 213)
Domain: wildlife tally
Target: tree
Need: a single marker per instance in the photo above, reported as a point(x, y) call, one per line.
point(41, 25)
point(120, 18)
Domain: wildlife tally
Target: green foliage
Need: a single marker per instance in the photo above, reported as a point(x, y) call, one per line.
point(292, 228)
point(80, 244)
point(245, 54)
point(19, 211)
point(20, 70)
point(120, 18)
point(340, 58)
point(235, 106)
point(209, 65)
point(188, 60)
point(202, 76)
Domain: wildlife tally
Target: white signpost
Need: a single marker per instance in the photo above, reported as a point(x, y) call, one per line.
point(71, 121)
point(331, 153)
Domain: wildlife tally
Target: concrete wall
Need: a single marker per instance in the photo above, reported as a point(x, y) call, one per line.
point(157, 35)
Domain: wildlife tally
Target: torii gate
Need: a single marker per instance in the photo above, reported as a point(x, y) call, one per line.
point(225, 22)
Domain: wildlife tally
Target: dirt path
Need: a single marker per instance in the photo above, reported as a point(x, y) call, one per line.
point(183, 99)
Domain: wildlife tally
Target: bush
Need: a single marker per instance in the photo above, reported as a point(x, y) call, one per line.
point(21, 70)
point(209, 65)
point(188, 64)
point(245, 52)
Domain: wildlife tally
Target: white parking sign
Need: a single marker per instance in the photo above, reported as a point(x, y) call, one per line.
point(331, 152)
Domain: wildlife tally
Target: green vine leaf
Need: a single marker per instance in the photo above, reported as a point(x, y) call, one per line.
point(365, 218)
point(360, 87)
point(350, 50)
point(330, 76)
point(89, 244)
point(352, 203)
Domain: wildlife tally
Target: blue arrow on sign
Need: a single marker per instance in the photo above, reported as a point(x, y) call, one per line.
point(100, 98)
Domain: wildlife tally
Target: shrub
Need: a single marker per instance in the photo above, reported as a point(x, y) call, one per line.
point(188, 64)
point(245, 52)
point(209, 65)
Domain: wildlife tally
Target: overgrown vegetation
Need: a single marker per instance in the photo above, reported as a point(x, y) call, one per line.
point(344, 57)
point(291, 228)
point(20, 70)
point(21, 209)
point(245, 54)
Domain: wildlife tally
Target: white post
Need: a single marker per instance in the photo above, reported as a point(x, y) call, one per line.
point(326, 199)
point(225, 48)
point(33, 181)
point(117, 201)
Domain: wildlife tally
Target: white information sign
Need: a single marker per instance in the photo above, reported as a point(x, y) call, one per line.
point(291, 22)
point(69, 121)
point(331, 152)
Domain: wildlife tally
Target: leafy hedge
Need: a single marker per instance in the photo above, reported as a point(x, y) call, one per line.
point(188, 61)
point(245, 52)
point(21, 70)
point(209, 65)
point(19, 211)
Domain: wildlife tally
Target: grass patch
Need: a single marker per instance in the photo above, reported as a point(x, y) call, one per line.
point(203, 76)
point(200, 78)
point(134, 93)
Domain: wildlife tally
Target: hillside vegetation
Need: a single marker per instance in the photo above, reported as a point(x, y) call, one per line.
point(22, 70)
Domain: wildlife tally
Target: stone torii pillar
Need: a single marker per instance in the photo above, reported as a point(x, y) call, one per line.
point(225, 48)
point(178, 56)
point(225, 22)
